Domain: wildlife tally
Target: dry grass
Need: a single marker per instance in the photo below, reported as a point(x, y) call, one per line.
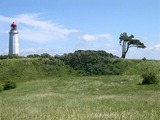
point(82, 98)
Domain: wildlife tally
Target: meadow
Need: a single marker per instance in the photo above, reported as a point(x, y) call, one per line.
point(110, 97)
point(85, 85)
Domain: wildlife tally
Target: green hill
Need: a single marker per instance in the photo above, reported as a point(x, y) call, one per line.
point(25, 69)
point(86, 63)
point(83, 85)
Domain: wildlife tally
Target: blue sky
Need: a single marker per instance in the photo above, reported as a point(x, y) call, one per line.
point(63, 26)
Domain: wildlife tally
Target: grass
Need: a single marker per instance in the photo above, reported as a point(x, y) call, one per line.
point(82, 98)
point(26, 69)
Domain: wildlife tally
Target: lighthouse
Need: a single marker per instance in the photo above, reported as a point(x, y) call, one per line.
point(13, 40)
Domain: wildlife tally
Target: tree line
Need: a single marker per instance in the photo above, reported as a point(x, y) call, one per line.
point(86, 62)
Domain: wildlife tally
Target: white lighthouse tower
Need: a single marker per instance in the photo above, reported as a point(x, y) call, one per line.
point(13, 40)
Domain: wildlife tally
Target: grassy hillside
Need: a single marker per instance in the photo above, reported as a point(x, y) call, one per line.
point(25, 69)
point(51, 89)
point(82, 98)
point(137, 67)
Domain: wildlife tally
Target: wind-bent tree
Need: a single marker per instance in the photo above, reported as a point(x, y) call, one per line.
point(127, 41)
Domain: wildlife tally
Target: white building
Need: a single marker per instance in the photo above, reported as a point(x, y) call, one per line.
point(13, 40)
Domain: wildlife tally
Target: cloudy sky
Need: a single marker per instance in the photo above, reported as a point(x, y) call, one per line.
point(63, 26)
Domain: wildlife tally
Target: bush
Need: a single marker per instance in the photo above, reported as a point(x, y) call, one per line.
point(149, 78)
point(91, 62)
point(9, 85)
point(144, 59)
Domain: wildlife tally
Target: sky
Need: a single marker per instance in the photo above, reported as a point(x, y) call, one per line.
point(64, 26)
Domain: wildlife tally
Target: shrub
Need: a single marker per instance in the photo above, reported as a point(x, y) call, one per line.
point(144, 59)
point(91, 62)
point(149, 78)
point(9, 85)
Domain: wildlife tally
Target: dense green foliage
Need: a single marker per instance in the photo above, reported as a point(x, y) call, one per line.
point(149, 78)
point(92, 62)
point(10, 56)
point(9, 85)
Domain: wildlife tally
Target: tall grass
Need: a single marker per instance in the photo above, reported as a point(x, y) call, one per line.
point(82, 98)
point(26, 69)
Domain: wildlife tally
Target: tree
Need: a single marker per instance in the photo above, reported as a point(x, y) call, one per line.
point(127, 41)
point(91, 62)
point(45, 55)
point(33, 56)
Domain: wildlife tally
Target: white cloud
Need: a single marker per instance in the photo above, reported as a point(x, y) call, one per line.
point(39, 51)
point(28, 50)
point(32, 28)
point(157, 46)
point(154, 48)
point(89, 37)
point(5, 19)
point(4, 52)
point(105, 36)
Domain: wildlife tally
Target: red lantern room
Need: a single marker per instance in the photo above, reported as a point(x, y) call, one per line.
point(13, 26)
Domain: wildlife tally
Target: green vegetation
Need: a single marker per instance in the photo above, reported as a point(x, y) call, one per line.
point(149, 78)
point(84, 85)
point(29, 69)
point(9, 85)
point(91, 62)
point(82, 98)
